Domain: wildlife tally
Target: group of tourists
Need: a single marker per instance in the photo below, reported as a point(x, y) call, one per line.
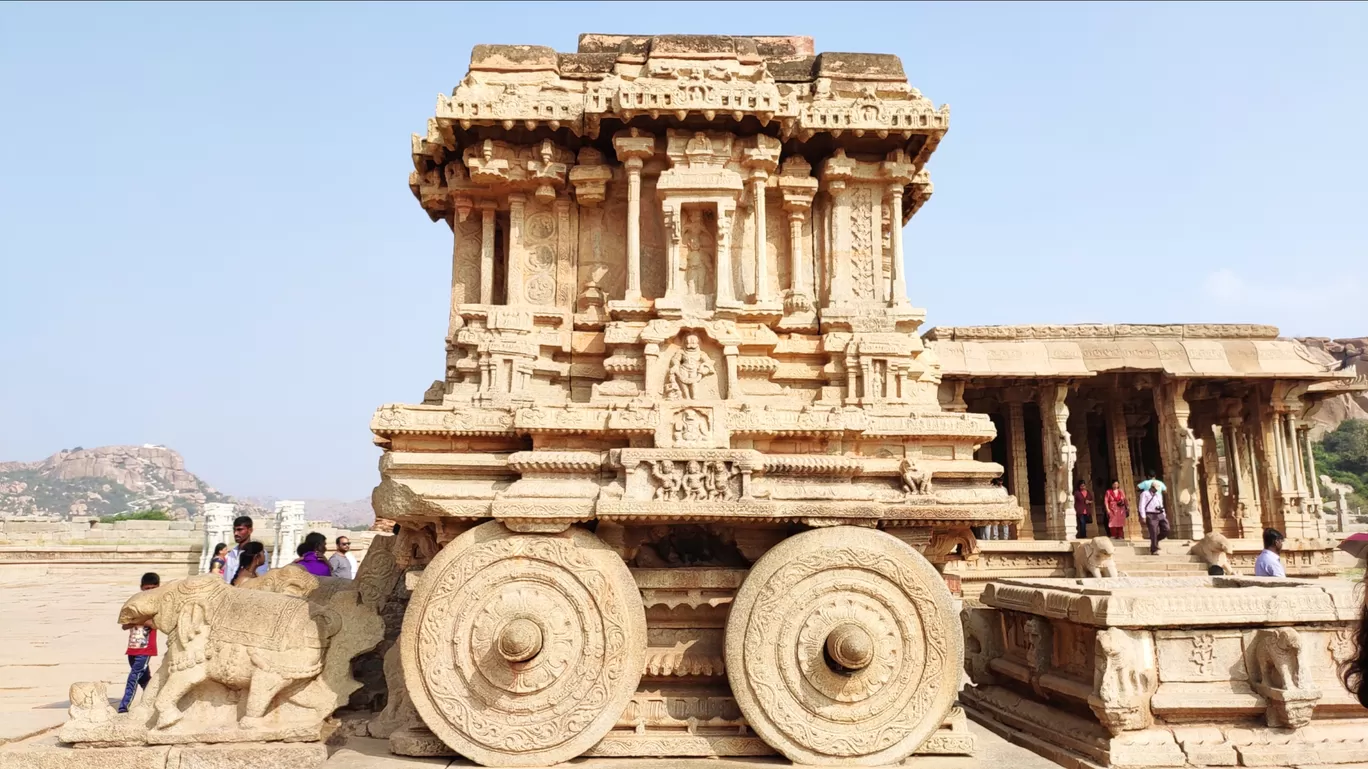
point(249, 558)
point(1116, 509)
point(245, 561)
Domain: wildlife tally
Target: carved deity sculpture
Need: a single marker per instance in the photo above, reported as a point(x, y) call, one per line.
point(691, 427)
point(915, 481)
point(689, 367)
point(718, 481)
point(670, 482)
point(695, 482)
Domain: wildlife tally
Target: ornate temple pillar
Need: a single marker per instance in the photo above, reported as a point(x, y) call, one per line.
point(1312, 479)
point(900, 171)
point(761, 160)
point(487, 252)
point(798, 188)
point(633, 147)
point(726, 289)
point(218, 528)
point(1179, 450)
point(1121, 461)
point(762, 276)
point(674, 235)
point(516, 253)
point(1018, 482)
point(1060, 457)
point(1209, 482)
point(836, 171)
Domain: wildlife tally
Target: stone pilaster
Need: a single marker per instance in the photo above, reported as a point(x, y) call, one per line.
point(517, 253)
point(1018, 482)
point(900, 171)
point(1121, 461)
point(487, 228)
point(633, 147)
point(1060, 457)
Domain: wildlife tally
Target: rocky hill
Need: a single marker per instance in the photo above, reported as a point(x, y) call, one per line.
point(104, 481)
point(1353, 356)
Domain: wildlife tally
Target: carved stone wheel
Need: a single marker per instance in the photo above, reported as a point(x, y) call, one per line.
point(843, 647)
point(523, 649)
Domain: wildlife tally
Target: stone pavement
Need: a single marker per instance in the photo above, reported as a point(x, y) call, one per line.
point(60, 627)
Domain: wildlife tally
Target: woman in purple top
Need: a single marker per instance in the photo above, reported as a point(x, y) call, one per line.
point(311, 555)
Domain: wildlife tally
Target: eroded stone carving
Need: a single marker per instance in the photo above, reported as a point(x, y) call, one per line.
point(1215, 550)
point(1095, 558)
point(1125, 681)
point(689, 367)
point(240, 664)
point(1279, 673)
point(915, 480)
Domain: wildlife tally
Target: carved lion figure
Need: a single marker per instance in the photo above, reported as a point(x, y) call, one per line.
point(915, 481)
point(1094, 558)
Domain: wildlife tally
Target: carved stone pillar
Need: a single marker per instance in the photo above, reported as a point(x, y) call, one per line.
point(762, 276)
point(1218, 510)
point(1018, 482)
point(487, 252)
point(633, 147)
point(1060, 457)
point(1179, 451)
point(898, 292)
point(837, 170)
point(674, 227)
point(731, 353)
point(799, 188)
point(517, 255)
point(726, 293)
point(1121, 461)
point(1240, 460)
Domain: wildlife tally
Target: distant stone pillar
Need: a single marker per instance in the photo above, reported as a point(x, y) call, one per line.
point(289, 531)
point(218, 528)
point(517, 254)
point(1304, 440)
point(487, 252)
point(1240, 461)
point(1018, 482)
point(1217, 509)
point(1121, 461)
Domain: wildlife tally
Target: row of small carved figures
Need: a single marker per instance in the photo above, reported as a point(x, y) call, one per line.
point(699, 481)
point(704, 480)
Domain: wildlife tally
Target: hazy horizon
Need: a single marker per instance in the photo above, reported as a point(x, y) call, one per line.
point(209, 243)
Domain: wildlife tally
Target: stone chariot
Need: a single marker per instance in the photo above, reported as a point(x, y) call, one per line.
point(684, 486)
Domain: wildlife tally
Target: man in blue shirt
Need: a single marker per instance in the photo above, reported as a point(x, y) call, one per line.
point(1268, 564)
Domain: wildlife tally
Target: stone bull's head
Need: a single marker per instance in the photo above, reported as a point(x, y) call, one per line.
point(165, 605)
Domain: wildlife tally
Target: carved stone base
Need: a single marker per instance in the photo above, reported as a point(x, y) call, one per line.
point(253, 755)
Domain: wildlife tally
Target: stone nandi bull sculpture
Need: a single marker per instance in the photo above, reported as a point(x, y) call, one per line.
point(266, 663)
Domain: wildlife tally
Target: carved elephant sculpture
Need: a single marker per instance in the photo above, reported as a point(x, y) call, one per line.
point(1094, 558)
point(255, 641)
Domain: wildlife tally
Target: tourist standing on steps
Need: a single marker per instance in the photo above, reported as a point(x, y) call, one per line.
point(310, 553)
point(1083, 499)
point(242, 534)
point(1153, 515)
point(343, 563)
point(253, 563)
point(1268, 564)
point(142, 647)
point(1118, 509)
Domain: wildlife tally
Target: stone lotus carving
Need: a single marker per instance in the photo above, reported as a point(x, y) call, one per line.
point(1095, 558)
point(238, 664)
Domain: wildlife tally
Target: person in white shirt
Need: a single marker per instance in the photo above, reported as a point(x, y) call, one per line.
point(343, 563)
point(242, 534)
point(1153, 515)
point(1269, 564)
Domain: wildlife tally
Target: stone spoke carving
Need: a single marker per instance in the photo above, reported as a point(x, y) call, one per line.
point(523, 650)
point(842, 648)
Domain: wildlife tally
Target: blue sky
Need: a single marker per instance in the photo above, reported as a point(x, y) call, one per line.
point(207, 239)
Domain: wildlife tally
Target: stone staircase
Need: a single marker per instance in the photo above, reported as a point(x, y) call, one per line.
point(1134, 560)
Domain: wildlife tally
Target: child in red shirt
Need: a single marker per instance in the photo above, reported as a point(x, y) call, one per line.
point(142, 647)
